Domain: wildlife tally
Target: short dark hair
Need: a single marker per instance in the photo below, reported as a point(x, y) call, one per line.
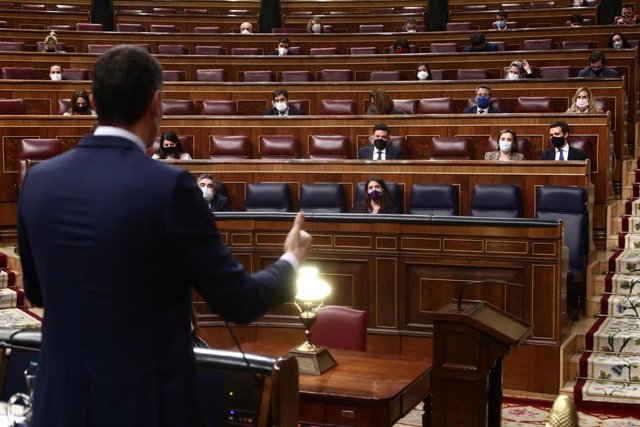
point(484, 86)
point(502, 14)
point(279, 92)
point(125, 79)
point(597, 55)
point(576, 18)
point(629, 6)
point(284, 40)
point(478, 39)
point(382, 126)
point(561, 124)
point(206, 176)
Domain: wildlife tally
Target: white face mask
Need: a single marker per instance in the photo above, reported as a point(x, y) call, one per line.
point(245, 31)
point(505, 146)
point(281, 106)
point(618, 45)
point(423, 75)
point(582, 103)
point(411, 30)
point(207, 193)
point(282, 51)
point(513, 76)
point(316, 28)
point(55, 77)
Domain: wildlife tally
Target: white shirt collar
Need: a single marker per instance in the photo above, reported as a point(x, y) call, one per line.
point(122, 133)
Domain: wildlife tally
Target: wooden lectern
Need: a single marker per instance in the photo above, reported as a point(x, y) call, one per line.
point(468, 348)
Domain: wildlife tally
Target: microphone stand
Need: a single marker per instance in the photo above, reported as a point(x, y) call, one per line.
point(475, 282)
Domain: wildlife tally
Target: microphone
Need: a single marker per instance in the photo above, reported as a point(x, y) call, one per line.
point(475, 282)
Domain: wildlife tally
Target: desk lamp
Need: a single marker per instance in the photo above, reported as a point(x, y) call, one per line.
point(312, 290)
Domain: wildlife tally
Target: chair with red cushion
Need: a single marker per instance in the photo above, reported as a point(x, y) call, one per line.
point(279, 147)
point(451, 148)
point(129, 27)
point(444, 47)
point(178, 107)
point(12, 47)
point(329, 147)
point(555, 71)
point(333, 75)
point(538, 44)
point(76, 74)
point(512, 6)
point(257, 76)
point(172, 49)
point(296, 76)
point(211, 75)
point(18, 73)
point(323, 51)
point(246, 51)
point(435, 106)
point(337, 107)
point(12, 107)
point(172, 76)
point(62, 46)
point(28, 6)
point(210, 50)
point(88, 26)
point(219, 108)
point(579, 44)
point(385, 76)
point(534, 104)
point(458, 26)
point(407, 106)
point(229, 147)
point(340, 327)
point(98, 48)
point(371, 28)
point(472, 74)
point(363, 50)
point(164, 28)
point(35, 150)
point(63, 106)
point(542, 4)
point(206, 30)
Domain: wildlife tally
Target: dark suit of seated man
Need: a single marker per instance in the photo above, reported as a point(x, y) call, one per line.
point(479, 44)
point(561, 150)
point(281, 106)
point(381, 149)
point(597, 67)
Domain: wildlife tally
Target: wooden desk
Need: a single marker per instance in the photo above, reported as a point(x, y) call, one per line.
point(365, 389)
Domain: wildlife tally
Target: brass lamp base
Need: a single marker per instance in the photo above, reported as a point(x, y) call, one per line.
point(313, 360)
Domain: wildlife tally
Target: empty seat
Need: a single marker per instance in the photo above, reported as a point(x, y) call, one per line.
point(534, 104)
point(125, 27)
point(586, 143)
point(88, 26)
point(194, 11)
point(302, 105)
point(331, 75)
point(542, 4)
point(395, 194)
point(177, 107)
point(210, 50)
point(164, 10)
point(295, 50)
point(450, 148)
point(444, 47)
point(512, 6)
point(68, 7)
point(434, 199)
point(538, 44)
point(76, 74)
point(30, 6)
point(219, 108)
point(340, 327)
point(323, 51)
point(407, 106)
point(98, 48)
point(267, 197)
point(144, 46)
point(18, 73)
point(163, 28)
point(211, 75)
point(239, 12)
point(33, 150)
point(12, 107)
point(257, 76)
point(64, 105)
point(474, 7)
point(279, 147)
point(61, 27)
point(206, 30)
point(371, 28)
point(472, 74)
point(172, 49)
point(246, 51)
point(385, 76)
point(435, 106)
point(496, 200)
point(363, 50)
point(337, 107)
point(383, 10)
point(12, 46)
point(322, 198)
point(229, 147)
point(296, 76)
point(555, 71)
point(458, 26)
point(172, 76)
point(500, 46)
point(579, 44)
point(329, 147)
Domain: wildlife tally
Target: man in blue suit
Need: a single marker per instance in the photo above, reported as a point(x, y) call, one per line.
point(111, 243)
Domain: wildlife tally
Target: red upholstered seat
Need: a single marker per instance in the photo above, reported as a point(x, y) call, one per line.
point(534, 104)
point(210, 50)
point(538, 44)
point(295, 50)
point(474, 7)
point(246, 51)
point(472, 74)
point(98, 48)
point(12, 107)
point(172, 76)
point(76, 73)
point(144, 46)
point(408, 106)
point(257, 76)
point(61, 28)
point(279, 147)
point(178, 107)
point(18, 73)
point(336, 107)
point(35, 150)
point(512, 6)
point(328, 147)
point(450, 148)
point(296, 76)
point(172, 49)
point(579, 44)
point(88, 26)
point(542, 4)
point(385, 76)
point(164, 28)
point(194, 11)
point(458, 26)
point(12, 47)
point(363, 50)
point(323, 51)
point(341, 328)
point(67, 7)
point(40, 46)
point(63, 105)
point(125, 27)
point(586, 143)
point(435, 106)
point(302, 105)
point(329, 75)
point(239, 12)
point(28, 6)
point(371, 28)
point(444, 47)
point(383, 10)
point(501, 46)
point(229, 147)
point(555, 71)
point(164, 10)
point(211, 75)
point(219, 108)
point(206, 30)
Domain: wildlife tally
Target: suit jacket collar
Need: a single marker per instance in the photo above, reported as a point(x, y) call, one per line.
point(107, 141)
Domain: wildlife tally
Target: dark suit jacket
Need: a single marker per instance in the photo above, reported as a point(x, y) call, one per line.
point(606, 72)
point(219, 203)
point(574, 154)
point(275, 53)
point(392, 153)
point(111, 243)
point(293, 111)
point(488, 48)
point(474, 109)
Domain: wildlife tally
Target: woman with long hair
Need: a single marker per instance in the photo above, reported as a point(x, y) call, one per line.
point(80, 104)
point(171, 147)
point(376, 198)
point(381, 103)
point(583, 102)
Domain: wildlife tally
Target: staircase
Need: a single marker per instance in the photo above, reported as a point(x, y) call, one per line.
point(13, 312)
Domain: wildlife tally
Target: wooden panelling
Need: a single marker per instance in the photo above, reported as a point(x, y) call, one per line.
point(41, 19)
point(550, 17)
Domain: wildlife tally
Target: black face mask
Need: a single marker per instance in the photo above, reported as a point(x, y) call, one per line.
point(557, 141)
point(82, 109)
point(171, 150)
point(380, 144)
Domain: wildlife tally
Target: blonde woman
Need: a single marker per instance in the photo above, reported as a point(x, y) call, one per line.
point(583, 102)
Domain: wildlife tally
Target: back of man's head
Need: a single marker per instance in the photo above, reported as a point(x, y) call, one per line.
point(477, 39)
point(125, 78)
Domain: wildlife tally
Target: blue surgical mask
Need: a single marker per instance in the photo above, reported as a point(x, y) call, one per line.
point(501, 25)
point(482, 101)
point(505, 146)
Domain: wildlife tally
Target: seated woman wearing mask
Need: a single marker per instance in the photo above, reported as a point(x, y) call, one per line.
point(583, 102)
point(315, 26)
point(171, 148)
point(376, 198)
point(618, 41)
point(423, 72)
point(519, 70)
point(507, 147)
point(80, 105)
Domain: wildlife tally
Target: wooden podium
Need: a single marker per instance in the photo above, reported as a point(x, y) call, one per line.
point(468, 348)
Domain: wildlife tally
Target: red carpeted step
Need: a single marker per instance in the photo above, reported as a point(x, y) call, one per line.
point(612, 260)
point(636, 190)
point(7, 278)
point(3, 260)
point(621, 240)
point(11, 297)
point(625, 223)
point(628, 205)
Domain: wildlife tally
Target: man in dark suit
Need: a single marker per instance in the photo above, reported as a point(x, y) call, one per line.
point(283, 48)
point(111, 243)
point(216, 201)
point(381, 149)
point(483, 102)
point(561, 150)
point(281, 106)
point(479, 44)
point(597, 66)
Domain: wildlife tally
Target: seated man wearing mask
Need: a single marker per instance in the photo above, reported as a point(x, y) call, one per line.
point(283, 48)
point(246, 28)
point(561, 150)
point(281, 107)
point(597, 67)
point(483, 102)
point(56, 72)
point(479, 44)
point(501, 20)
point(381, 148)
point(217, 202)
